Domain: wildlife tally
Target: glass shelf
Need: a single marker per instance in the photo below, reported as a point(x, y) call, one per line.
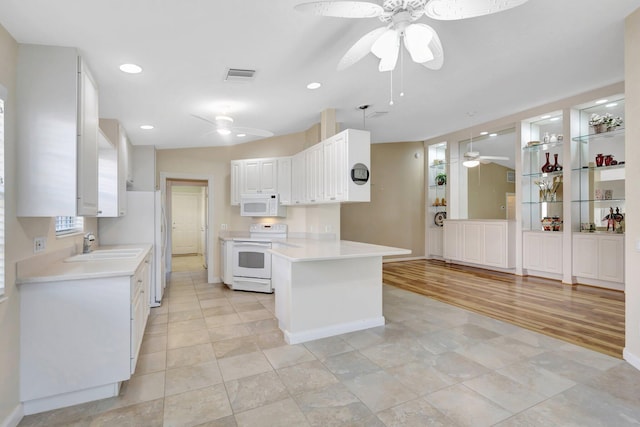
point(542, 146)
point(598, 136)
point(600, 168)
point(438, 187)
point(438, 166)
point(604, 201)
point(541, 202)
point(543, 174)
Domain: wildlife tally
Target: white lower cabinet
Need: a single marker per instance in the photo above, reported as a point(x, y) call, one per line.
point(599, 259)
point(488, 243)
point(542, 251)
point(80, 339)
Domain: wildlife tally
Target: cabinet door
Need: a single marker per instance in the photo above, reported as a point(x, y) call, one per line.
point(473, 242)
point(123, 167)
point(314, 174)
point(236, 185)
point(298, 183)
point(532, 253)
point(435, 241)
point(268, 182)
point(585, 256)
point(552, 253)
point(451, 240)
point(611, 259)
point(250, 177)
point(494, 237)
point(284, 180)
point(107, 177)
point(329, 165)
point(87, 167)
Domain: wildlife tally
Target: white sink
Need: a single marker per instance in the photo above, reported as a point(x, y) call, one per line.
point(103, 256)
point(116, 251)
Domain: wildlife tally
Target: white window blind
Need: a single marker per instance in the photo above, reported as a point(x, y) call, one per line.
point(68, 225)
point(2, 245)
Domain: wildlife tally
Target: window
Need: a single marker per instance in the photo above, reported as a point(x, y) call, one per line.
point(1, 190)
point(69, 225)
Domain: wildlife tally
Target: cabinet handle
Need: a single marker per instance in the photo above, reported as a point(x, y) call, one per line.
point(139, 281)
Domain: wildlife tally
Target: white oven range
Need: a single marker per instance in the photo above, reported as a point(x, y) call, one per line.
point(251, 260)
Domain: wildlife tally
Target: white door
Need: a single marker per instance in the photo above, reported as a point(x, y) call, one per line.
point(185, 227)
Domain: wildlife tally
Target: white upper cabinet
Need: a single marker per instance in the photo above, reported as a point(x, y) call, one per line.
point(107, 177)
point(284, 180)
point(298, 179)
point(57, 103)
point(117, 136)
point(236, 173)
point(259, 176)
point(314, 171)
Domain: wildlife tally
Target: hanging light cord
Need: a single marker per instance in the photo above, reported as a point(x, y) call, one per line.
point(401, 71)
point(391, 87)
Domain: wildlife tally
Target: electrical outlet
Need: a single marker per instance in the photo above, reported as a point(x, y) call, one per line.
point(39, 244)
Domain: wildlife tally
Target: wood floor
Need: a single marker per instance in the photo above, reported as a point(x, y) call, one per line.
point(583, 315)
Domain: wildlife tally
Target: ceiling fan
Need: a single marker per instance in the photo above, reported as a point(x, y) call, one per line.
point(473, 158)
point(399, 17)
point(224, 126)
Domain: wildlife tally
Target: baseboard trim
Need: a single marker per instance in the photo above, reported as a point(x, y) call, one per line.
point(330, 331)
point(631, 358)
point(403, 259)
point(14, 417)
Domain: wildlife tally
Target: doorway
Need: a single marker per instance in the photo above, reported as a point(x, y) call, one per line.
point(189, 215)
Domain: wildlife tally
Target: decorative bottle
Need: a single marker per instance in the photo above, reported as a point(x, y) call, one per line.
point(547, 167)
point(556, 167)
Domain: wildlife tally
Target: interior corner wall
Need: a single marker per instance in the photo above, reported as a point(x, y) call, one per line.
point(632, 203)
point(395, 215)
point(487, 189)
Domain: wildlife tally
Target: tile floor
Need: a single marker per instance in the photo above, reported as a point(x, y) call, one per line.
point(182, 263)
point(214, 357)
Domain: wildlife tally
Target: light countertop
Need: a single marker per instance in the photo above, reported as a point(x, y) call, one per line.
point(301, 250)
point(33, 271)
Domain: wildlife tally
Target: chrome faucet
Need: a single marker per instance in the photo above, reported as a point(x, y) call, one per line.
point(86, 244)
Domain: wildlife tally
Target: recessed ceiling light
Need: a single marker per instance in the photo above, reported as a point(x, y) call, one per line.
point(554, 119)
point(241, 135)
point(611, 104)
point(313, 85)
point(130, 68)
point(493, 134)
point(601, 101)
point(545, 117)
point(484, 133)
point(146, 127)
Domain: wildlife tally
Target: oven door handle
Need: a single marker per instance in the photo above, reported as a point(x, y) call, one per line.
point(260, 245)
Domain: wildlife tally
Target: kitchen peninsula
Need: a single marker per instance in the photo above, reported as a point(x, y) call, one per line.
point(327, 287)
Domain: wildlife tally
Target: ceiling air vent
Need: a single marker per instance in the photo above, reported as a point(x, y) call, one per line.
point(239, 75)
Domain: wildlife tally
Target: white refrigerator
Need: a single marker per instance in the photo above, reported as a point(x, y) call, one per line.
point(145, 222)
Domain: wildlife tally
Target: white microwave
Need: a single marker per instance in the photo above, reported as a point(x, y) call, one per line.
point(261, 205)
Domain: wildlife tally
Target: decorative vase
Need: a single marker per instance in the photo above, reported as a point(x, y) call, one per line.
point(600, 128)
point(607, 159)
point(547, 167)
point(599, 160)
point(556, 167)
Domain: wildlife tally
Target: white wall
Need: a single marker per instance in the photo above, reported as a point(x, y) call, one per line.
point(632, 202)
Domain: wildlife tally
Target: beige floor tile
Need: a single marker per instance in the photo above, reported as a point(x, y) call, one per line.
point(183, 306)
point(509, 394)
point(181, 316)
point(421, 377)
point(219, 310)
point(279, 414)
point(226, 332)
point(191, 355)
point(332, 406)
point(212, 300)
point(235, 346)
point(271, 339)
point(306, 376)
point(244, 365)
point(326, 347)
point(187, 338)
point(185, 378)
point(255, 391)
point(156, 329)
point(250, 316)
point(225, 319)
point(153, 344)
point(350, 365)
point(148, 414)
point(415, 413)
point(151, 362)
point(379, 390)
point(138, 389)
point(158, 319)
point(229, 421)
point(261, 326)
point(466, 407)
point(187, 325)
point(248, 306)
point(196, 406)
point(288, 355)
point(538, 379)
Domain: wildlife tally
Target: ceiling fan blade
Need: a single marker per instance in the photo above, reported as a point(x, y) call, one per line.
point(386, 48)
point(253, 131)
point(448, 10)
point(205, 119)
point(436, 48)
point(417, 38)
point(360, 49)
point(494, 158)
point(342, 9)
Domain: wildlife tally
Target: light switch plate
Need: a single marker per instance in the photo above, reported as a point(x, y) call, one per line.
point(39, 244)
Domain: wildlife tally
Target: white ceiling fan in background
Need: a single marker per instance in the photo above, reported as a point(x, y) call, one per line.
point(399, 16)
point(473, 158)
point(224, 125)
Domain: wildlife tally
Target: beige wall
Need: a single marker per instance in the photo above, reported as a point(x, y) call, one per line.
point(19, 236)
point(632, 203)
point(395, 216)
point(487, 191)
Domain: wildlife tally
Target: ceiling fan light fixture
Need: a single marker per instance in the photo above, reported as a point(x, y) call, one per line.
point(314, 85)
point(223, 131)
point(241, 135)
point(470, 163)
point(131, 68)
point(417, 38)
